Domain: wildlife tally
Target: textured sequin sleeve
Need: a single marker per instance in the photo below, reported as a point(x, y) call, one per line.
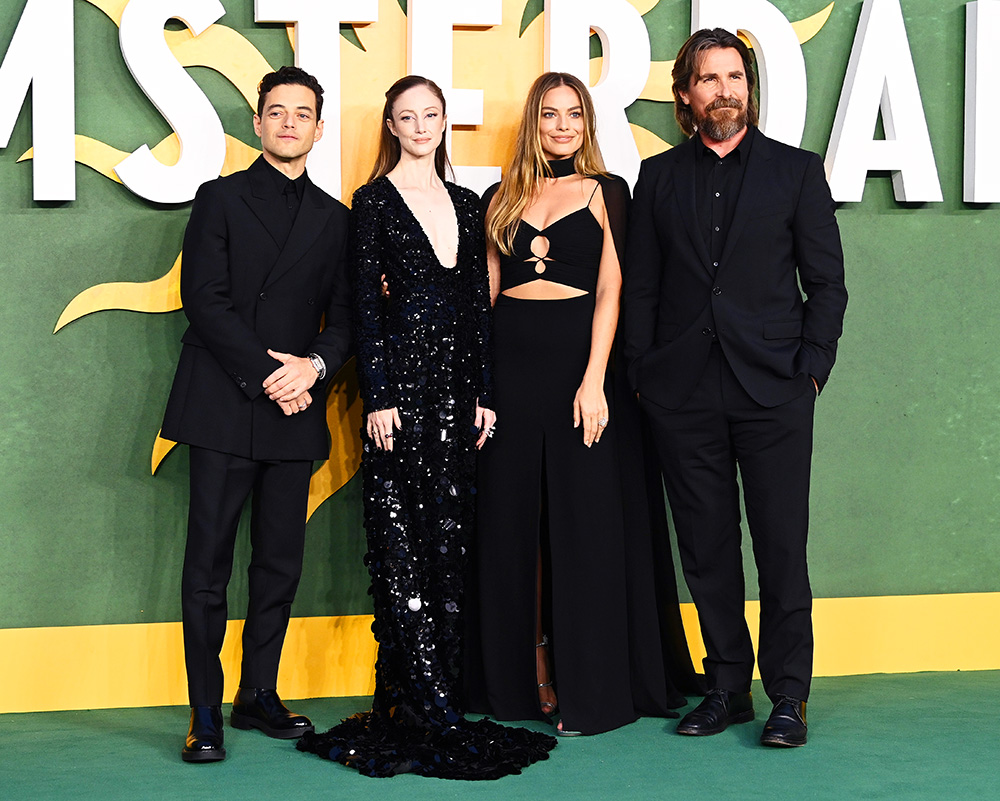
point(367, 233)
point(481, 298)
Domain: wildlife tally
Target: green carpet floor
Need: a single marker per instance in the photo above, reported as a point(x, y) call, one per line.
point(931, 736)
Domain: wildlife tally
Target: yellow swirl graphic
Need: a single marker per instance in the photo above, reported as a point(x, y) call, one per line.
point(225, 51)
point(113, 8)
point(343, 418)
point(646, 142)
point(161, 447)
point(161, 295)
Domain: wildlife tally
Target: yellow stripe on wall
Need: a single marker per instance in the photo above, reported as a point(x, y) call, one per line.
point(890, 634)
point(142, 664)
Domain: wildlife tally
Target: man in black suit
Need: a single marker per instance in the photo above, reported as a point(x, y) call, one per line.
point(264, 266)
point(728, 358)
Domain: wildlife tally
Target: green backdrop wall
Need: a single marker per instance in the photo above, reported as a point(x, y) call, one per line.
point(907, 465)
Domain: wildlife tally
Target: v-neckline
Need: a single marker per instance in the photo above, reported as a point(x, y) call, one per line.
point(427, 239)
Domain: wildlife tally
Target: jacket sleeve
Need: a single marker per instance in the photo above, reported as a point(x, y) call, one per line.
point(641, 274)
point(334, 344)
point(480, 286)
point(820, 259)
point(206, 296)
point(368, 263)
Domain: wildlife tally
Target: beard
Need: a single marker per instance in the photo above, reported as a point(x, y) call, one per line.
point(722, 126)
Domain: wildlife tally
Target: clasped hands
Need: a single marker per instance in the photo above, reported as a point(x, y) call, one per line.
point(289, 385)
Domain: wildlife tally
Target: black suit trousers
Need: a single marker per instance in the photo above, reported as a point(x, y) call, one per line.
point(220, 485)
point(700, 446)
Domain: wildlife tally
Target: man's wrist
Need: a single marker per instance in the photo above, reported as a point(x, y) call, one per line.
point(318, 365)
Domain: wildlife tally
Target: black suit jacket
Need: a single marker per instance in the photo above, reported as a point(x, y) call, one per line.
point(243, 294)
point(783, 235)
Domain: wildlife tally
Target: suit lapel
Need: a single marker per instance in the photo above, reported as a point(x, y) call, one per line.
point(754, 177)
point(309, 223)
point(260, 195)
point(686, 199)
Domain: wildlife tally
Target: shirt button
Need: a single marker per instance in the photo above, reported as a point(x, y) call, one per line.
point(716, 290)
point(717, 194)
point(715, 264)
point(263, 296)
point(706, 331)
point(716, 228)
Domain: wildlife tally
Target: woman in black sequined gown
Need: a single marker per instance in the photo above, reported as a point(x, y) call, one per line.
point(424, 364)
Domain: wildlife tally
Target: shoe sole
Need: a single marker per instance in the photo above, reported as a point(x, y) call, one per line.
point(238, 721)
point(742, 717)
point(204, 756)
point(781, 742)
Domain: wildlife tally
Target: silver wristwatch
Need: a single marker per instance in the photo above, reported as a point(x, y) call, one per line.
point(319, 365)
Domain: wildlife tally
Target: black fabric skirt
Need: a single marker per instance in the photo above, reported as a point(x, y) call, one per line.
point(541, 487)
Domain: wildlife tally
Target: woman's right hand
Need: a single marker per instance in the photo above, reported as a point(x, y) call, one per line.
point(381, 425)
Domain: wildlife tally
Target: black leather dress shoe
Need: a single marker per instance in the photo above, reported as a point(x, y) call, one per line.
point(716, 712)
point(262, 709)
point(786, 727)
point(204, 738)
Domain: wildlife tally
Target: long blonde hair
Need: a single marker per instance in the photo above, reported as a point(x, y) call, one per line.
point(529, 166)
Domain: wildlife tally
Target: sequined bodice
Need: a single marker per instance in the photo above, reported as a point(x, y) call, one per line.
point(436, 321)
point(566, 251)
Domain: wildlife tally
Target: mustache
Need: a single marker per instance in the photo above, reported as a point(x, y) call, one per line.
point(724, 102)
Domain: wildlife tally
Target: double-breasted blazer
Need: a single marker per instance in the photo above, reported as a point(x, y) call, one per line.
point(776, 299)
point(243, 293)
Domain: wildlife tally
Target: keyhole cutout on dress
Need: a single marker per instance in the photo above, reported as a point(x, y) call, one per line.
point(540, 249)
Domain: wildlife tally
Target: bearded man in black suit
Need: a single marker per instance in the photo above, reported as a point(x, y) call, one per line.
point(734, 301)
point(264, 269)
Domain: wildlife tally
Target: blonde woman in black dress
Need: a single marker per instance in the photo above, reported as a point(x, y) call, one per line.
point(573, 626)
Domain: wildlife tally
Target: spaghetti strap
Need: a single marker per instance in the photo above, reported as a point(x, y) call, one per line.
point(597, 185)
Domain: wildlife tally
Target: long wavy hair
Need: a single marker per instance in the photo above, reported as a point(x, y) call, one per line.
point(686, 66)
point(388, 145)
point(528, 167)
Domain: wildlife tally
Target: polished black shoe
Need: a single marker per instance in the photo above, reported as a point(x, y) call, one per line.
point(716, 712)
point(204, 738)
point(786, 727)
point(262, 709)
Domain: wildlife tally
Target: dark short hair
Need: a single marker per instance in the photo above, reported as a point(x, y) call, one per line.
point(687, 64)
point(289, 75)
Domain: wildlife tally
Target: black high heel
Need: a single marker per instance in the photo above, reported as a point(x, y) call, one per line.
point(548, 708)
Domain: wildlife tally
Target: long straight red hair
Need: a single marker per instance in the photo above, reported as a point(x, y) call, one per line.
point(389, 150)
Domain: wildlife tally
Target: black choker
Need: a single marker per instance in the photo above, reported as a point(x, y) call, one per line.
point(563, 167)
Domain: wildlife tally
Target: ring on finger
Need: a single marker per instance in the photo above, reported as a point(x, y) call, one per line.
point(602, 422)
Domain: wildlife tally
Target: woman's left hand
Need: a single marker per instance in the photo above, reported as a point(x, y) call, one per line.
point(486, 419)
point(590, 407)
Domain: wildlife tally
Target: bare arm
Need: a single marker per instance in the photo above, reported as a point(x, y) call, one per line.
point(590, 406)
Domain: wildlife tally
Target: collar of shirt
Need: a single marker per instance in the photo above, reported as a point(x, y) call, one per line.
point(280, 181)
point(740, 152)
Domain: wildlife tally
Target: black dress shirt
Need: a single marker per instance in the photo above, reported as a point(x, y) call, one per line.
point(717, 186)
point(287, 200)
